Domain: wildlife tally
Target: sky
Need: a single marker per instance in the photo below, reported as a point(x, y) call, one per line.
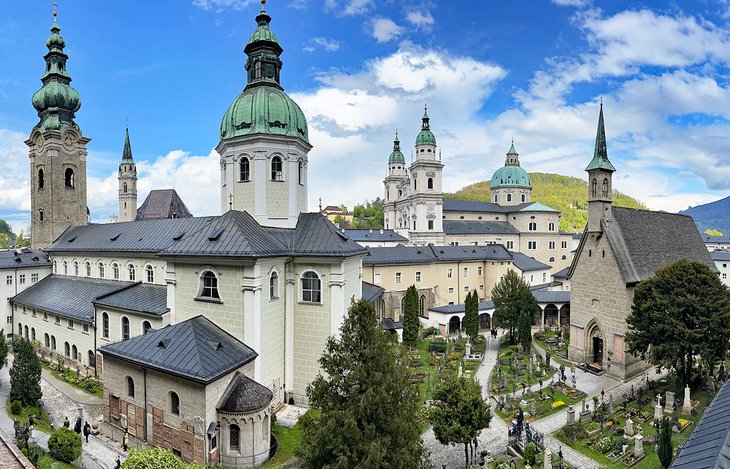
point(489, 70)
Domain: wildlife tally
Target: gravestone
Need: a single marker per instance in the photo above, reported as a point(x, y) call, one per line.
point(585, 414)
point(610, 403)
point(669, 402)
point(571, 415)
point(658, 410)
point(638, 446)
point(687, 405)
point(629, 429)
point(468, 349)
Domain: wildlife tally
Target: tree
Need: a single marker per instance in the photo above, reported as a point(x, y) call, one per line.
point(25, 374)
point(22, 240)
point(3, 349)
point(368, 402)
point(460, 412)
point(471, 315)
point(524, 330)
point(512, 298)
point(664, 451)
point(155, 457)
point(679, 313)
point(411, 323)
point(65, 444)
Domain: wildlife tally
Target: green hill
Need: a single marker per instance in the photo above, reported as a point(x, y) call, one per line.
point(567, 194)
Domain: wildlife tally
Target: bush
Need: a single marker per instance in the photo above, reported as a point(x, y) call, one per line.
point(429, 331)
point(530, 453)
point(437, 347)
point(16, 407)
point(574, 432)
point(65, 445)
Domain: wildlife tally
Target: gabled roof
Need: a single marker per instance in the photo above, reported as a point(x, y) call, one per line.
point(709, 445)
point(22, 258)
point(147, 236)
point(526, 263)
point(487, 207)
point(478, 227)
point(71, 297)
point(537, 207)
point(429, 254)
point(563, 273)
point(551, 296)
point(371, 292)
point(244, 395)
point(644, 241)
point(162, 203)
point(196, 349)
point(375, 236)
point(140, 297)
point(316, 235)
point(490, 252)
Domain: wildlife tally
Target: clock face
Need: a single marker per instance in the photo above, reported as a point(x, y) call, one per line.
point(68, 141)
point(40, 142)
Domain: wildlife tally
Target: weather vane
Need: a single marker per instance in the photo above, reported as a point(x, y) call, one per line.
point(263, 2)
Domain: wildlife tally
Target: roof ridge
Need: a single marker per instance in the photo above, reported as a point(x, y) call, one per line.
point(125, 287)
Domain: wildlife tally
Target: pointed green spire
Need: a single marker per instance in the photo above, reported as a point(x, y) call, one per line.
point(600, 153)
point(512, 150)
point(127, 152)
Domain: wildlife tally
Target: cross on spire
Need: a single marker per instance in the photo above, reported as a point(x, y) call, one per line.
point(55, 11)
point(263, 2)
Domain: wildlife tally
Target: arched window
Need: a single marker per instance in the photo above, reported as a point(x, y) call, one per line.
point(124, 187)
point(552, 259)
point(55, 267)
point(130, 386)
point(551, 226)
point(150, 273)
point(244, 169)
point(146, 326)
point(209, 285)
point(563, 257)
point(532, 226)
point(174, 403)
point(65, 268)
point(101, 269)
point(105, 325)
point(76, 268)
point(594, 188)
point(69, 177)
point(422, 305)
point(311, 287)
point(41, 215)
point(274, 286)
point(430, 183)
point(32, 333)
point(277, 172)
point(125, 328)
point(91, 358)
point(235, 433)
point(26, 332)
point(53, 343)
point(300, 174)
point(74, 353)
point(400, 192)
point(115, 271)
point(265, 428)
point(46, 340)
point(604, 188)
point(66, 349)
point(131, 272)
point(41, 181)
point(87, 264)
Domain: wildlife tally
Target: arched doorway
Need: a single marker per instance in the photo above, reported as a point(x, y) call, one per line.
point(565, 314)
point(551, 315)
point(454, 325)
point(484, 322)
point(594, 345)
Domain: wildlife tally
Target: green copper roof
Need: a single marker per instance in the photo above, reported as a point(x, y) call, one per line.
point(263, 32)
point(510, 176)
point(127, 152)
point(425, 136)
point(56, 101)
point(600, 153)
point(396, 156)
point(512, 150)
point(538, 207)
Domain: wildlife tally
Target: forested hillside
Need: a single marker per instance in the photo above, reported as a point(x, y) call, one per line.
point(713, 216)
point(567, 194)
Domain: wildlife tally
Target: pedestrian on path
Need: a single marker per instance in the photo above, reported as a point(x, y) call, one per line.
point(119, 463)
point(87, 430)
point(125, 440)
point(77, 425)
point(31, 426)
point(66, 423)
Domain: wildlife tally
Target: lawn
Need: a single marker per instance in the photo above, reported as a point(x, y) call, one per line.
point(513, 370)
point(289, 439)
point(42, 422)
point(555, 401)
point(559, 356)
point(90, 386)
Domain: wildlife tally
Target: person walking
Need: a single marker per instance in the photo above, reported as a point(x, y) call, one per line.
point(77, 425)
point(125, 440)
point(66, 423)
point(87, 430)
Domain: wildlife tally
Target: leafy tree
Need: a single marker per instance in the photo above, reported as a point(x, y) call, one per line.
point(3, 349)
point(155, 457)
point(4, 240)
point(369, 215)
point(664, 451)
point(679, 313)
point(411, 323)
point(524, 330)
point(471, 315)
point(368, 402)
point(460, 413)
point(25, 374)
point(512, 298)
point(22, 240)
point(65, 444)
point(5, 228)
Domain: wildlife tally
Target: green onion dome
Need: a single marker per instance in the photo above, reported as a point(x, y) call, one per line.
point(425, 136)
point(511, 175)
point(396, 157)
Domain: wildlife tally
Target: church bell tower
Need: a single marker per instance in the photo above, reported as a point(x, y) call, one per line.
point(600, 185)
point(127, 183)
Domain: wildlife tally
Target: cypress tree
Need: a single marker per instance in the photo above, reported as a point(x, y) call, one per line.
point(411, 323)
point(665, 444)
point(471, 315)
point(25, 374)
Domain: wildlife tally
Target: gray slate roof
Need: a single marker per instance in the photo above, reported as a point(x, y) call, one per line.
point(371, 292)
point(715, 239)
point(644, 241)
point(563, 273)
point(23, 258)
point(162, 203)
point(244, 395)
point(478, 227)
point(454, 309)
point(550, 296)
point(483, 207)
point(709, 445)
point(720, 255)
point(139, 297)
point(526, 263)
point(375, 236)
point(428, 254)
point(195, 349)
point(147, 236)
point(70, 297)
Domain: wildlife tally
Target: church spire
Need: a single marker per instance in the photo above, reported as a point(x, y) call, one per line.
point(600, 153)
point(127, 152)
point(513, 158)
point(425, 125)
point(263, 49)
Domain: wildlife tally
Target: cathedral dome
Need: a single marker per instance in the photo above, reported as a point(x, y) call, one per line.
point(510, 176)
point(56, 95)
point(396, 157)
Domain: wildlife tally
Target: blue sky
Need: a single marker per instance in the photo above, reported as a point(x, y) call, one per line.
point(490, 70)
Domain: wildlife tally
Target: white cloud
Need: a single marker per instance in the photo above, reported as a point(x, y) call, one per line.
point(385, 29)
point(350, 7)
point(14, 185)
point(219, 5)
point(326, 43)
point(420, 18)
point(571, 3)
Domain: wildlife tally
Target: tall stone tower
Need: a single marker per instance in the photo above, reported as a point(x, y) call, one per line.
point(264, 140)
point(127, 183)
point(511, 184)
point(57, 151)
point(394, 184)
point(600, 185)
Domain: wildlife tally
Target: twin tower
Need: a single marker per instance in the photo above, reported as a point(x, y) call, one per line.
point(263, 147)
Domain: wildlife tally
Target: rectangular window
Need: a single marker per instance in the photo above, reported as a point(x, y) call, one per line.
point(481, 287)
point(479, 271)
point(449, 273)
point(376, 279)
point(544, 277)
point(114, 406)
point(21, 279)
point(724, 275)
point(466, 271)
point(532, 245)
point(418, 276)
point(58, 319)
point(466, 288)
point(86, 328)
point(32, 312)
point(451, 289)
point(9, 280)
point(398, 277)
point(430, 224)
point(45, 316)
point(33, 278)
point(564, 244)
point(551, 245)
point(510, 244)
point(70, 323)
